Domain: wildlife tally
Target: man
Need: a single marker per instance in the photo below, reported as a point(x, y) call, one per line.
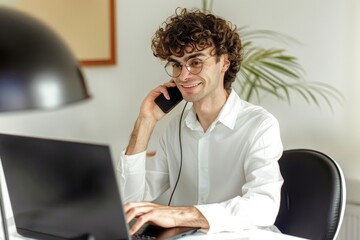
point(226, 157)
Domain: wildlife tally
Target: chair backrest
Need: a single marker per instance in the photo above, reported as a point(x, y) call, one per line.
point(313, 195)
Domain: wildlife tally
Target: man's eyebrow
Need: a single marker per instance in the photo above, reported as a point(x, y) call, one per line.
point(195, 55)
point(172, 60)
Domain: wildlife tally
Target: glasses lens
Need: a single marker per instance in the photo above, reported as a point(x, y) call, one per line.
point(173, 69)
point(194, 65)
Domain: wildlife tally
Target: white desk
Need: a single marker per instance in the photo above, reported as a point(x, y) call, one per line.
point(254, 234)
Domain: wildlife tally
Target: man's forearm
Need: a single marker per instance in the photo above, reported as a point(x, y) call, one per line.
point(140, 136)
point(164, 216)
point(191, 217)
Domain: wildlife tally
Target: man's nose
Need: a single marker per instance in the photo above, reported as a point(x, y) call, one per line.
point(184, 73)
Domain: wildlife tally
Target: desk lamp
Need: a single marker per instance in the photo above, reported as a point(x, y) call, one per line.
point(37, 70)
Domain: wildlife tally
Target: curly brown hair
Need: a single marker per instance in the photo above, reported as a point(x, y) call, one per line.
point(197, 31)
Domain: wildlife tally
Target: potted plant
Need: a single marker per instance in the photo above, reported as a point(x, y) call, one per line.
point(273, 71)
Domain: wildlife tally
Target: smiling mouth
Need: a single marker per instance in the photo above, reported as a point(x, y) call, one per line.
point(191, 86)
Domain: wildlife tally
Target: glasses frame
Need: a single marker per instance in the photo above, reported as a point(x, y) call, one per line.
point(187, 66)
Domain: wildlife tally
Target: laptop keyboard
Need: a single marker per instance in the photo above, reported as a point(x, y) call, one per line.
point(142, 237)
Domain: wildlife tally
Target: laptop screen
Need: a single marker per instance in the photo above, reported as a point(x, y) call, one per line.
point(62, 190)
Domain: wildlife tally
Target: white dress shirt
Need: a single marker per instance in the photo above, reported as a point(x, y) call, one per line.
point(230, 172)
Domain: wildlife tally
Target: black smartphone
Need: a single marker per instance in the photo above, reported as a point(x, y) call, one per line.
point(166, 105)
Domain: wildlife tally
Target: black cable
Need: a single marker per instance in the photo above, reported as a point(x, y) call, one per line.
point(181, 155)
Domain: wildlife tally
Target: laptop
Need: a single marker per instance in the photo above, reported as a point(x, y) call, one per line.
point(66, 190)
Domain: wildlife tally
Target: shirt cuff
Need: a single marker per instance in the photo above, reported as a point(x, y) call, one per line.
point(131, 163)
point(218, 218)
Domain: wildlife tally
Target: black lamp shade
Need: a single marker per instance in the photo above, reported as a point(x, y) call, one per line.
point(37, 70)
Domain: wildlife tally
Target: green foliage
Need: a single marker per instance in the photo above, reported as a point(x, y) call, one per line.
point(273, 71)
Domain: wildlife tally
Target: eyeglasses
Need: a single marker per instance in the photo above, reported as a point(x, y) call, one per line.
point(193, 66)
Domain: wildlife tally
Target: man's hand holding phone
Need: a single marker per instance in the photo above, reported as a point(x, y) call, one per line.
point(166, 105)
point(151, 111)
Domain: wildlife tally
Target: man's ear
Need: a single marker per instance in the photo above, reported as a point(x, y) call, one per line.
point(226, 63)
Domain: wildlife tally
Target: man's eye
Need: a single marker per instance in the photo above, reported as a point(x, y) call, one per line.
point(196, 63)
point(176, 65)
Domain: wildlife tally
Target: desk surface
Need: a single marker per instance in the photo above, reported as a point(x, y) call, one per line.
point(253, 234)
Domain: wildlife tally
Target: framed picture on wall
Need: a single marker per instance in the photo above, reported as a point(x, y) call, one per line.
point(87, 26)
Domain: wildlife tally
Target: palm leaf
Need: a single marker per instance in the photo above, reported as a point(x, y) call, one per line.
point(272, 71)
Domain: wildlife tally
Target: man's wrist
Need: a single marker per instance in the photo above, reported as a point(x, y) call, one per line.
point(192, 217)
point(140, 136)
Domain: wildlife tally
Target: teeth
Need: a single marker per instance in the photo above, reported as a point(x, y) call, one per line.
point(190, 86)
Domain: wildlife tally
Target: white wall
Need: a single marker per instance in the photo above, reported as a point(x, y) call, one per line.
point(329, 53)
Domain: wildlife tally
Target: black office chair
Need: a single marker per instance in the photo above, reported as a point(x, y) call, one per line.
point(313, 195)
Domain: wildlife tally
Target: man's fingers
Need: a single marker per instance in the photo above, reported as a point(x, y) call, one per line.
point(144, 212)
point(136, 212)
point(163, 88)
point(136, 209)
point(139, 223)
point(130, 205)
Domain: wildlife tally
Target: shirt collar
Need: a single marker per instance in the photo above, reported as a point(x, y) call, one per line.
point(227, 115)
